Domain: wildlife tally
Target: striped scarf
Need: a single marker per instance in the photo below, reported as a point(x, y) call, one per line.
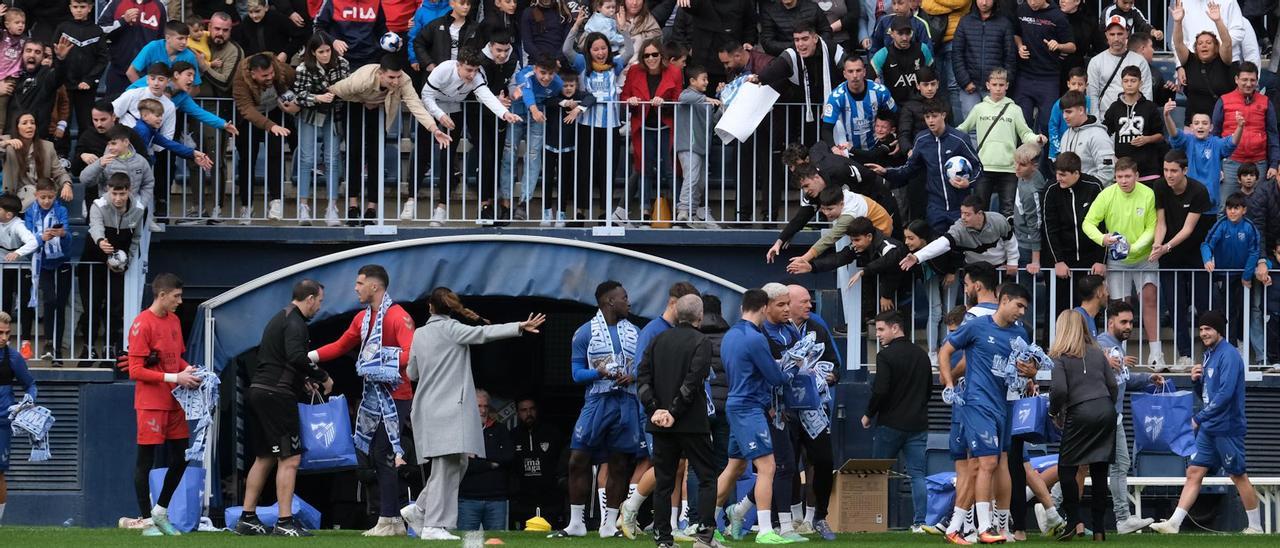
point(600, 351)
point(199, 405)
point(380, 367)
point(50, 250)
point(35, 422)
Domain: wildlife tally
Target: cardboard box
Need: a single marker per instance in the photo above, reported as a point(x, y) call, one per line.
point(860, 497)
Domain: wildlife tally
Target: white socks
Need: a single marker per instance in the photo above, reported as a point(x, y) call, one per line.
point(631, 488)
point(675, 520)
point(1255, 517)
point(633, 502)
point(1156, 350)
point(601, 499)
point(577, 519)
point(784, 523)
point(957, 520)
point(609, 524)
point(1178, 515)
point(797, 510)
point(158, 510)
point(745, 505)
point(984, 516)
point(2, 511)
point(1052, 516)
point(764, 520)
point(684, 511)
point(809, 514)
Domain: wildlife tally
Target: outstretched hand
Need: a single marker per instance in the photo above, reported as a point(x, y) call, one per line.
point(532, 324)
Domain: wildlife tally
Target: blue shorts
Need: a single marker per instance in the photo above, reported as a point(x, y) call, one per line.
point(956, 444)
point(982, 433)
point(5, 435)
point(1214, 451)
point(608, 423)
point(749, 437)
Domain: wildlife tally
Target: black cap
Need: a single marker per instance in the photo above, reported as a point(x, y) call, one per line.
point(900, 22)
point(1214, 320)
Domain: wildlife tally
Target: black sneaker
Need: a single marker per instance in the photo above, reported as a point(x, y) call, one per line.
point(289, 528)
point(370, 217)
point(250, 526)
point(353, 216)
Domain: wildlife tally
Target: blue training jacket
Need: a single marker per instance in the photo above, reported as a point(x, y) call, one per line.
point(1232, 246)
point(750, 367)
point(1221, 388)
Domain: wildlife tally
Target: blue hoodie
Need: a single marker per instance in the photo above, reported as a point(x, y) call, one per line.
point(429, 11)
point(1232, 246)
point(1221, 388)
point(751, 369)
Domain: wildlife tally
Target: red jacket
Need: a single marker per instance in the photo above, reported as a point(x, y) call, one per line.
point(637, 85)
point(1253, 143)
point(397, 330)
point(151, 333)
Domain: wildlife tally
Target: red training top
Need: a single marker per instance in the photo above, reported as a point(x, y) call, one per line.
point(162, 335)
point(397, 330)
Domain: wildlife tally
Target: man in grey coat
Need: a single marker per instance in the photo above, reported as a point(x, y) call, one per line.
point(445, 427)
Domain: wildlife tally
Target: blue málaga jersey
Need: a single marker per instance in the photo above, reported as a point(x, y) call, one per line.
point(605, 86)
point(856, 117)
point(980, 310)
point(987, 353)
point(583, 373)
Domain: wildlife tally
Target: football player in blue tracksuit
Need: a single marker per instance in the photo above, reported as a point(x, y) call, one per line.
point(1220, 425)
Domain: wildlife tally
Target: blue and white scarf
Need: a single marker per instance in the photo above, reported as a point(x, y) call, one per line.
point(380, 367)
point(50, 250)
point(199, 405)
point(35, 422)
point(600, 351)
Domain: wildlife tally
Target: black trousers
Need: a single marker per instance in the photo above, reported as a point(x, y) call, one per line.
point(247, 148)
point(392, 492)
point(102, 302)
point(1017, 486)
point(364, 137)
point(1101, 495)
point(817, 453)
point(668, 449)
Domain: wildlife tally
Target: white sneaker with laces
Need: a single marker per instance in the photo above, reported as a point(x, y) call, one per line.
point(548, 217)
point(560, 219)
point(216, 214)
point(1133, 525)
point(704, 216)
point(304, 214)
point(410, 210)
point(246, 215)
point(438, 216)
point(413, 516)
point(1165, 527)
point(1252, 531)
point(275, 210)
point(437, 533)
point(620, 216)
point(331, 217)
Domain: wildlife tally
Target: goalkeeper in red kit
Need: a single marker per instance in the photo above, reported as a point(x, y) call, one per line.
point(156, 365)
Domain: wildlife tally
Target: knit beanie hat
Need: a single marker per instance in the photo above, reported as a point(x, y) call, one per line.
point(1214, 320)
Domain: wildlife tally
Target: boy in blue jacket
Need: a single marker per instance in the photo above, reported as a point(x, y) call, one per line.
point(1233, 244)
point(530, 87)
point(1220, 425)
point(1205, 151)
point(46, 218)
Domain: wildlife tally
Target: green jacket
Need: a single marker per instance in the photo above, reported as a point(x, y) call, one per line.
point(996, 152)
point(1132, 214)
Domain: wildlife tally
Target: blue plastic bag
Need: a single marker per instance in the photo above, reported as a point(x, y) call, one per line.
point(942, 496)
point(1168, 386)
point(327, 444)
point(186, 505)
point(1162, 423)
point(802, 393)
point(1030, 419)
point(304, 513)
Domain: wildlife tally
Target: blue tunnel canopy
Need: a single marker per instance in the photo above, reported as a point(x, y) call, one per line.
point(477, 265)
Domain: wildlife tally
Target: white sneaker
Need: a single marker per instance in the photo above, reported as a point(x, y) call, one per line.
point(1165, 527)
point(707, 221)
point(1133, 525)
point(385, 528)
point(413, 516)
point(620, 216)
point(917, 530)
point(548, 216)
point(304, 214)
point(246, 215)
point(438, 216)
point(152, 226)
point(1252, 531)
point(803, 527)
point(410, 210)
point(331, 217)
point(560, 219)
point(682, 216)
point(437, 533)
point(275, 210)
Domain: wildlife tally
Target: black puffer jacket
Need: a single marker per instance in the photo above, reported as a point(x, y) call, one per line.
point(700, 26)
point(777, 24)
point(714, 327)
point(981, 45)
point(433, 43)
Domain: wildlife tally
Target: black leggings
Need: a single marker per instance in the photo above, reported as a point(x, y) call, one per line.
point(1017, 486)
point(817, 453)
point(1071, 495)
point(175, 459)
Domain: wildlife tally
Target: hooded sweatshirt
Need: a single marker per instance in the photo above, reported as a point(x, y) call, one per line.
point(123, 229)
point(1094, 146)
point(142, 180)
point(1001, 136)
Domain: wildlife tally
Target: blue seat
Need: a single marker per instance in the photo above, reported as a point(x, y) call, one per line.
point(937, 454)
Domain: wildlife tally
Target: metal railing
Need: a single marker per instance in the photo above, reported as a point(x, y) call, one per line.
point(76, 315)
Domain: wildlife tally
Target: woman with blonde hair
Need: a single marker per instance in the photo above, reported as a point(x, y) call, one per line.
point(1082, 401)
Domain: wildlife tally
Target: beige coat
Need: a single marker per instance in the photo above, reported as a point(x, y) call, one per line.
point(15, 179)
point(362, 87)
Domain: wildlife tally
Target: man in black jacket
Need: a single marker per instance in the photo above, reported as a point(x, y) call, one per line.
point(781, 18)
point(877, 255)
point(537, 447)
point(670, 384)
point(284, 372)
point(1065, 247)
point(482, 495)
point(701, 26)
point(37, 85)
point(900, 405)
point(834, 169)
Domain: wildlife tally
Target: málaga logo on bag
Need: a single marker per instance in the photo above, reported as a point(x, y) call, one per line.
point(324, 432)
point(1023, 414)
point(1152, 425)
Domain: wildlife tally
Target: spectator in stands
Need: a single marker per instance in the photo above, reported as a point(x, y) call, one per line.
point(262, 98)
point(1184, 214)
point(897, 63)
point(887, 149)
point(1204, 150)
point(37, 87)
point(130, 25)
point(942, 17)
point(425, 12)
point(1232, 247)
point(563, 111)
point(882, 35)
point(264, 30)
point(86, 61)
point(876, 255)
point(543, 27)
point(226, 54)
point(1205, 62)
point(899, 405)
point(29, 159)
point(841, 207)
point(356, 27)
point(1106, 78)
point(11, 42)
point(647, 85)
point(811, 170)
point(1260, 142)
point(704, 25)
point(198, 41)
point(1161, 90)
point(443, 37)
point(1044, 37)
point(944, 193)
point(1088, 138)
point(1197, 19)
point(377, 90)
point(1135, 123)
point(536, 446)
point(599, 70)
point(741, 61)
point(1088, 35)
point(120, 157)
point(531, 86)
point(1077, 80)
point(843, 16)
point(151, 136)
point(1066, 248)
point(115, 224)
point(181, 85)
point(781, 20)
point(1133, 17)
point(1128, 210)
point(938, 277)
point(851, 109)
point(1027, 218)
point(983, 41)
point(911, 112)
point(1000, 128)
point(482, 495)
point(126, 104)
point(321, 67)
point(1262, 202)
point(804, 74)
point(92, 144)
point(603, 21)
point(499, 63)
point(696, 116)
point(46, 217)
point(14, 372)
point(499, 17)
point(169, 50)
point(982, 236)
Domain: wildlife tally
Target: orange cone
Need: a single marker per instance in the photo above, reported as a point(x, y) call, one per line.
point(661, 217)
point(494, 542)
